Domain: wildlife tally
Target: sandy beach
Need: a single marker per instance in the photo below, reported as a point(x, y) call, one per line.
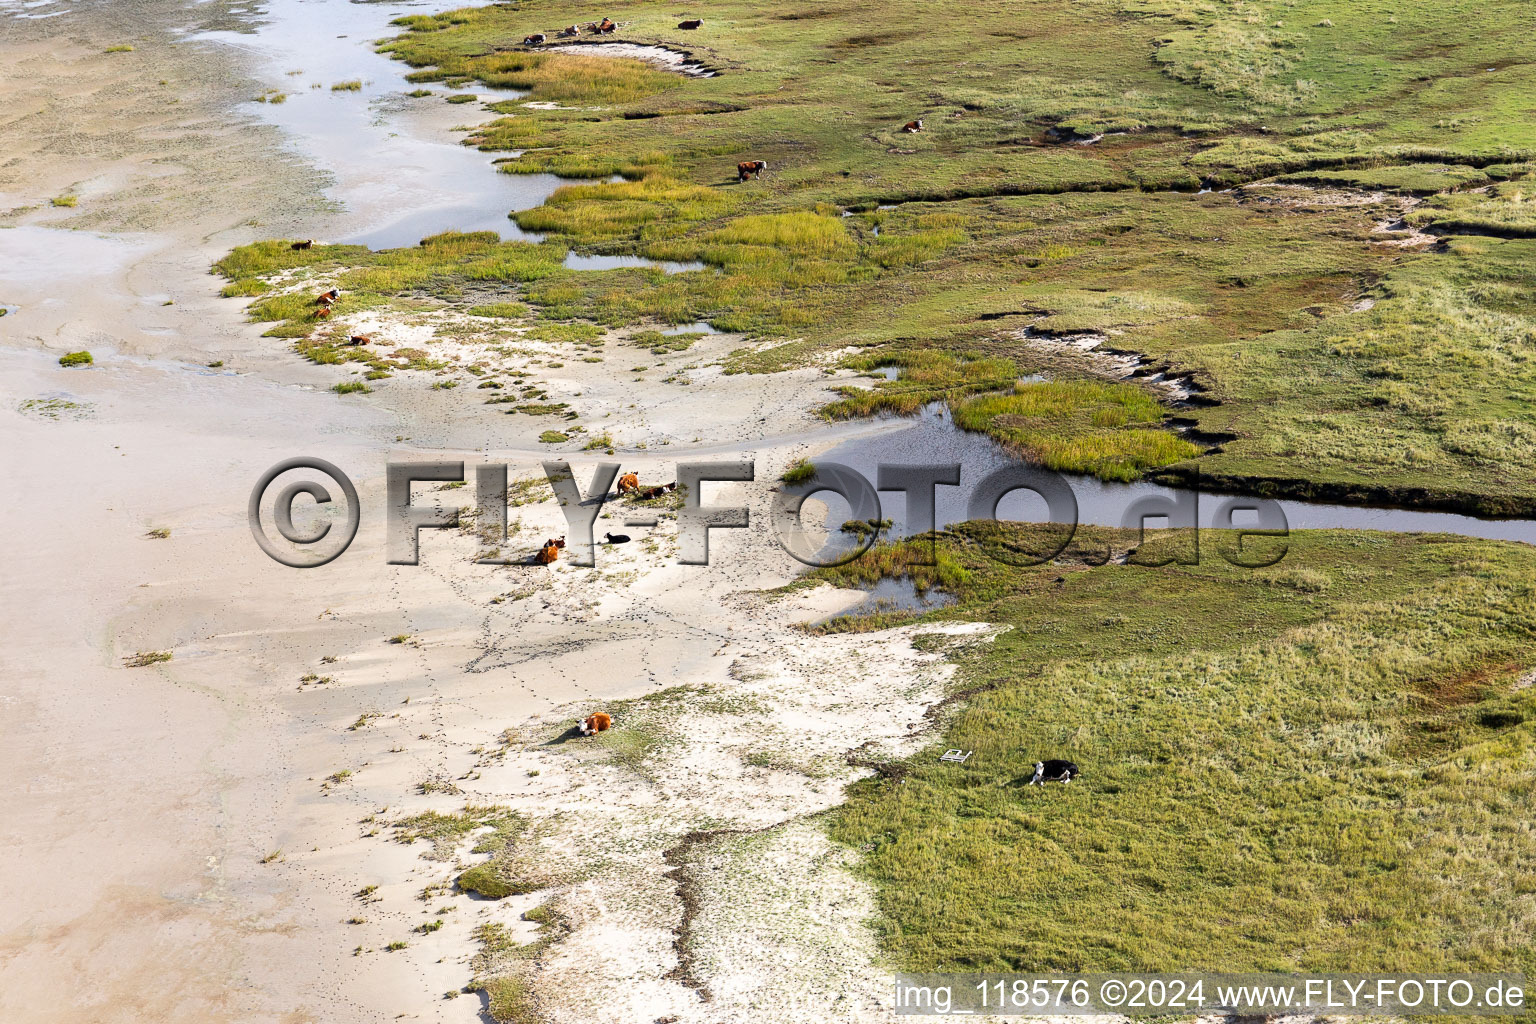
point(187, 841)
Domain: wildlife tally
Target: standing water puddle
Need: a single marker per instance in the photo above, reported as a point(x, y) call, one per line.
point(575, 262)
point(399, 170)
point(933, 438)
point(697, 327)
point(893, 594)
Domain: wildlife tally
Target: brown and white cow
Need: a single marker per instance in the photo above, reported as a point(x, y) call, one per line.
point(533, 40)
point(593, 724)
point(547, 554)
point(606, 26)
point(691, 23)
point(629, 482)
point(568, 31)
point(359, 339)
point(913, 127)
point(326, 298)
point(750, 169)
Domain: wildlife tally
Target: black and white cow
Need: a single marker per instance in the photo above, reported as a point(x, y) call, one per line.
point(1054, 770)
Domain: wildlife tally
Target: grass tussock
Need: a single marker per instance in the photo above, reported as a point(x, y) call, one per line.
point(801, 471)
point(1108, 430)
point(905, 559)
point(925, 375)
point(623, 209)
point(501, 310)
point(1507, 211)
point(493, 826)
point(566, 78)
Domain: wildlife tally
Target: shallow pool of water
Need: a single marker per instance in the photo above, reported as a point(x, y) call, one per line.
point(697, 327)
point(574, 261)
point(399, 173)
point(933, 438)
point(34, 260)
point(894, 594)
point(34, 8)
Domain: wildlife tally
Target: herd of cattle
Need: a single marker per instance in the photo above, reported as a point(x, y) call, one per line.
point(629, 483)
point(598, 28)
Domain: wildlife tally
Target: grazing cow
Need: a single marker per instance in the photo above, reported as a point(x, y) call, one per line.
point(359, 339)
point(692, 23)
point(647, 493)
point(751, 169)
point(308, 243)
point(326, 298)
point(913, 127)
point(606, 26)
point(533, 40)
point(629, 482)
point(593, 724)
point(616, 538)
point(1054, 771)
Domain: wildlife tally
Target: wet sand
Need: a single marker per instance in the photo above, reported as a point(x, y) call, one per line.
point(181, 853)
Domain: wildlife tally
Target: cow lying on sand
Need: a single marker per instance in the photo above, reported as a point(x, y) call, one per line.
point(750, 169)
point(593, 724)
point(550, 551)
point(1054, 771)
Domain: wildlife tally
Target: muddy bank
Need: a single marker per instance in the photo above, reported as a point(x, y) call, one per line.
point(1491, 507)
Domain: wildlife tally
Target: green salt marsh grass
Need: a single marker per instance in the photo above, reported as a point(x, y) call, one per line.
point(999, 228)
point(996, 229)
point(1078, 427)
point(1316, 766)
